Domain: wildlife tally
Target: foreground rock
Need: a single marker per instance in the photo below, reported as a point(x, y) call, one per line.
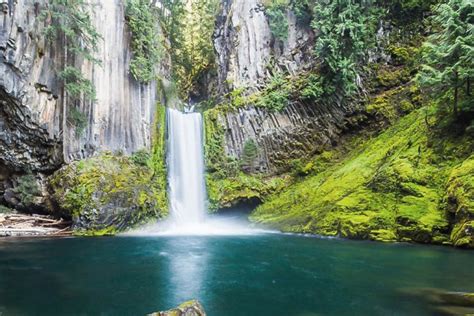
point(20, 225)
point(445, 302)
point(190, 308)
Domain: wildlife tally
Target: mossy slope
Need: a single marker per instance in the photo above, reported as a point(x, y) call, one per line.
point(388, 188)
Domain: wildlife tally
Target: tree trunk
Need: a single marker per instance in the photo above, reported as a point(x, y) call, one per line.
point(456, 92)
point(468, 87)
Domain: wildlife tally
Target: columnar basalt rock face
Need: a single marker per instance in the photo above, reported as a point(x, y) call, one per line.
point(299, 131)
point(35, 131)
point(121, 116)
point(245, 46)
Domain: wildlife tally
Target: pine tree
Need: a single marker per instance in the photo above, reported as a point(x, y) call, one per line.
point(249, 154)
point(448, 55)
point(341, 43)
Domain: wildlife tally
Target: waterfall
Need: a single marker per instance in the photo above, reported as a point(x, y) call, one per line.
point(187, 190)
point(186, 185)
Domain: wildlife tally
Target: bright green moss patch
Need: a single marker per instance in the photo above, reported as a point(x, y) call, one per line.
point(108, 194)
point(387, 188)
point(241, 187)
point(460, 200)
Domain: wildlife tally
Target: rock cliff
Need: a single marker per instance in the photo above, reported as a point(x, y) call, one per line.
point(35, 132)
point(248, 54)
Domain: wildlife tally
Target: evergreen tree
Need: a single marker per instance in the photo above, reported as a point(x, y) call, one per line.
point(448, 55)
point(249, 154)
point(342, 28)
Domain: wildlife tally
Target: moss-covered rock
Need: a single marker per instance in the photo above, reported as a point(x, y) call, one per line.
point(227, 192)
point(189, 308)
point(460, 199)
point(387, 188)
point(108, 194)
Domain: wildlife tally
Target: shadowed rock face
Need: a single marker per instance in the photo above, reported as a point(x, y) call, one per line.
point(35, 132)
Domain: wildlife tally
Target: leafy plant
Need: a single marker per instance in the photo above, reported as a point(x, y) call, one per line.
point(4, 209)
point(75, 83)
point(146, 41)
point(27, 189)
point(249, 154)
point(448, 66)
point(77, 119)
point(341, 44)
point(141, 157)
point(71, 20)
point(276, 95)
point(276, 11)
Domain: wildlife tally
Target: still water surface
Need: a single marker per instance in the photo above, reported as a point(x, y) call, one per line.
point(267, 274)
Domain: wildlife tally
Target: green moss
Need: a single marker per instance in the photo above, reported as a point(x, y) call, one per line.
point(460, 201)
point(386, 188)
point(225, 192)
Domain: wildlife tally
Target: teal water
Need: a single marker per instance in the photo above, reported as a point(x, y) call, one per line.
point(270, 274)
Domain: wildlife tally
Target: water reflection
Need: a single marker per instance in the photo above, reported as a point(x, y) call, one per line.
point(187, 261)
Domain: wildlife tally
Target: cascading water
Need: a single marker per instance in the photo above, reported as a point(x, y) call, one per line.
point(187, 190)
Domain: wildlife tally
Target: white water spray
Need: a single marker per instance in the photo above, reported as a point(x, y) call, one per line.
point(187, 188)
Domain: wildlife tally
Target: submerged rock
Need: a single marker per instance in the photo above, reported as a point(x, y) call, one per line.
point(189, 308)
point(444, 302)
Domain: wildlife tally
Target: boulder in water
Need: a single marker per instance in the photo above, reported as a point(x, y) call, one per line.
point(189, 308)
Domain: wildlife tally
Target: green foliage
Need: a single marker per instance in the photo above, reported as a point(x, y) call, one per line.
point(276, 11)
point(313, 88)
point(75, 83)
point(27, 189)
point(141, 157)
point(78, 120)
point(71, 21)
point(276, 95)
point(249, 154)
point(448, 68)
point(190, 27)
point(5, 210)
point(158, 157)
point(343, 28)
point(405, 10)
point(146, 42)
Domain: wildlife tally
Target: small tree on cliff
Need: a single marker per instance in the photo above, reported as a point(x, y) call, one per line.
point(249, 155)
point(448, 55)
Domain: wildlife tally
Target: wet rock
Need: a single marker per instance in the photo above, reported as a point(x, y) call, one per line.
point(444, 302)
point(190, 308)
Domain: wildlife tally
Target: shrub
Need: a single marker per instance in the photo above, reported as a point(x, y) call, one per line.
point(27, 189)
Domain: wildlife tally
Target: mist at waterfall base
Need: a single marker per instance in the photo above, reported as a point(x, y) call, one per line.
point(187, 188)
